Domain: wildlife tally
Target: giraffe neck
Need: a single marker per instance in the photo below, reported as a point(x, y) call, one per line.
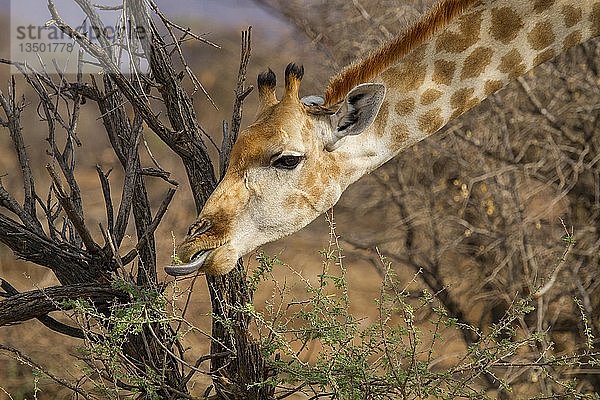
point(475, 55)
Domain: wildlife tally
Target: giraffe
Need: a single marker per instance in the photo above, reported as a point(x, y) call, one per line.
point(293, 163)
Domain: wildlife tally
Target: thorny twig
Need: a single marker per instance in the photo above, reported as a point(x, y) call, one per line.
point(241, 92)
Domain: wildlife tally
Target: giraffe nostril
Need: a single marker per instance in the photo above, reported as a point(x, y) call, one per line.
point(199, 227)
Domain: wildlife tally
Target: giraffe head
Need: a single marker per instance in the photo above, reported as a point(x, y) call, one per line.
point(286, 168)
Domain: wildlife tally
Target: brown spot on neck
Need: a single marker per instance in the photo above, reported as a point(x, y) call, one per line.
point(469, 26)
point(431, 121)
point(409, 74)
point(405, 106)
point(573, 39)
point(476, 62)
point(492, 86)
point(541, 36)
point(462, 100)
point(512, 64)
point(595, 19)
point(506, 24)
point(443, 72)
point(542, 5)
point(429, 96)
point(571, 15)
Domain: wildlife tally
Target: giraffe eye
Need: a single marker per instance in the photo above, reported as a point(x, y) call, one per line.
point(287, 161)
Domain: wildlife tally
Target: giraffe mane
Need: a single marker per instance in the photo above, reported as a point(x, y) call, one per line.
point(389, 54)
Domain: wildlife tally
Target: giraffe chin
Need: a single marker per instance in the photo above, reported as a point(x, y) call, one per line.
point(194, 265)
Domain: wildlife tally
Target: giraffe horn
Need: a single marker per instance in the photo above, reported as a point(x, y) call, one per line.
point(293, 77)
point(266, 89)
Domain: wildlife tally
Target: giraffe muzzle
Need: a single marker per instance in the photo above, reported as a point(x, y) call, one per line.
point(194, 265)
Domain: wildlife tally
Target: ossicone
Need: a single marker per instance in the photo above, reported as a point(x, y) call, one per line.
point(293, 77)
point(266, 82)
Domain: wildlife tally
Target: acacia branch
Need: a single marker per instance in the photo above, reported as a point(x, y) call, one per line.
point(186, 138)
point(69, 263)
point(49, 322)
point(72, 212)
point(230, 135)
point(37, 303)
point(111, 69)
point(110, 213)
point(162, 209)
point(130, 164)
point(13, 115)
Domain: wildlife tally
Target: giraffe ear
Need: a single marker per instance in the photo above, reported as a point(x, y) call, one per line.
point(312, 100)
point(357, 113)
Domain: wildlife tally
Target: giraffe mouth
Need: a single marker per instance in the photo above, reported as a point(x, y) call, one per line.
point(196, 261)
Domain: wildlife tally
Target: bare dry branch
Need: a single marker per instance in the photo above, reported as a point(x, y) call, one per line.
point(73, 212)
point(241, 92)
point(37, 303)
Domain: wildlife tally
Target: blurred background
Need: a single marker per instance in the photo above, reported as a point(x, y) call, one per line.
point(475, 210)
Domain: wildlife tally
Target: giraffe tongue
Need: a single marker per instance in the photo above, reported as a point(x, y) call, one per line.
point(189, 268)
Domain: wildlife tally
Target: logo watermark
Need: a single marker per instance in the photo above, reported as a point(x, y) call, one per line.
point(36, 39)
